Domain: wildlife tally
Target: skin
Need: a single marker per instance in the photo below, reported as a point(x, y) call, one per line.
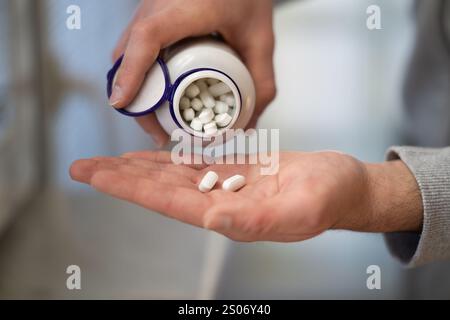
point(305, 198)
point(311, 193)
point(245, 25)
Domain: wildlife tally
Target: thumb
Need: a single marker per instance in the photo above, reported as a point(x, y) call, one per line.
point(241, 219)
point(147, 37)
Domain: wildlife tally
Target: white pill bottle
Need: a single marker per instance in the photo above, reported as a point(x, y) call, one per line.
point(182, 65)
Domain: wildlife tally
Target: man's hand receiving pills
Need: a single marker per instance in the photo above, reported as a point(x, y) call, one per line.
point(311, 193)
point(245, 25)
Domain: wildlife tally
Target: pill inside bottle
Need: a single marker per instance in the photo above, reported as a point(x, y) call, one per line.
point(213, 104)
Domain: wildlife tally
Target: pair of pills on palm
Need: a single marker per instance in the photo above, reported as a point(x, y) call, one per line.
point(231, 184)
point(207, 105)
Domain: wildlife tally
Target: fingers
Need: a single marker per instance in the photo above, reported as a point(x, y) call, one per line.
point(259, 59)
point(150, 180)
point(148, 36)
point(195, 160)
point(257, 51)
point(224, 170)
point(151, 125)
point(156, 185)
point(148, 123)
point(156, 156)
point(179, 203)
point(163, 160)
point(181, 170)
point(83, 170)
point(122, 43)
point(140, 54)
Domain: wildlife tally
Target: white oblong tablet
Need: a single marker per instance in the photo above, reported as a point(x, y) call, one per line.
point(219, 89)
point(185, 103)
point(208, 182)
point(228, 99)
point(188, 114)
point(207, 99)
point(206, 115)
point(201, 84)
point(210, 125)
point(221, 107)
point(196, 124)
point(192, 91)
point(212, 131)
point(212, 81)
point(197, 104)
point(234, 183)
point(223, 120)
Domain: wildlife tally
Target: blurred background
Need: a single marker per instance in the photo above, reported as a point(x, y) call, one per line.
point(339, 87)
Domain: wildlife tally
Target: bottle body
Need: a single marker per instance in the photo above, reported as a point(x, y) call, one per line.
point(207, 59)
point(178, 70)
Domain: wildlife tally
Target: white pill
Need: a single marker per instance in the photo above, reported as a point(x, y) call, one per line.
point(212, 81)
point(197, 104)
point(211, 132)
point(201, 84)
point(210, 125)
point(208, 182)
point(189, 114)
point(206, 116)
point(219, 89)
point(207, 99)
point(234, 183)
point(221, 107)
point(228, 99)
point(223, 120)
point(196, 124)
point(192, 91)
point(185, 103)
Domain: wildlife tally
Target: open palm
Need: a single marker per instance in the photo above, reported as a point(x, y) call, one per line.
point(311, 192)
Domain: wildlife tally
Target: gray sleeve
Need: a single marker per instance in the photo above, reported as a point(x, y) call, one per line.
point(431, 168)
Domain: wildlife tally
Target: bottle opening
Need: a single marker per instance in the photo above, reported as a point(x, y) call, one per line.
point(207, 103)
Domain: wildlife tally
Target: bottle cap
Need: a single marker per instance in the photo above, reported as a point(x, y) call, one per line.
point(154, 92)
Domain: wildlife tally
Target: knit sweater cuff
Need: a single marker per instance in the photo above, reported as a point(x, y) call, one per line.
point(431, 168)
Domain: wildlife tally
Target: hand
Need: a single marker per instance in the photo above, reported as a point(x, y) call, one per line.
point(245, 25)
point(311, 193)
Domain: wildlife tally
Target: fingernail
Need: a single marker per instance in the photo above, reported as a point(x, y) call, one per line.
point(221, 223)
point(116, 96)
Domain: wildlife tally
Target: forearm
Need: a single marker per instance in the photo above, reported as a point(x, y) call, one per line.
point(395, 198)
point(408, 198)
point(390, 201)
point(431, 169)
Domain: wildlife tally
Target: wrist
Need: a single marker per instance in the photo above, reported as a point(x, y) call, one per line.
point(394, 201)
